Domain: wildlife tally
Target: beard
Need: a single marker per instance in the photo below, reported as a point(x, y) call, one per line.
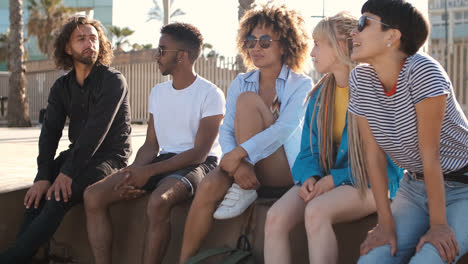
point(89, 59)
point(168, 67)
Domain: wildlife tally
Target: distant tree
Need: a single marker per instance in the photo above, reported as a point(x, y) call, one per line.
point(3, 47)
point(156, 13)
point(45, 18)
point(18, 107)
point(119, 36)
point(137, 46)
point(244, 6)
point(206, 49)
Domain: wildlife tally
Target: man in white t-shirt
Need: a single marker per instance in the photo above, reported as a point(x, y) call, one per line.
point(181, 147)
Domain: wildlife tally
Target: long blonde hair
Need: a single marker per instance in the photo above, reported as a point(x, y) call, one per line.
point(335, 29)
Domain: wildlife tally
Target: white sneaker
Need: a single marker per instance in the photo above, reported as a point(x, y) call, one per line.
point(235, 202)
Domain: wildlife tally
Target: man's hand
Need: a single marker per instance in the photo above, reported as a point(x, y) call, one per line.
point(128, 192)
point(62, 184)
point(443, 239)
point(134, 176)
point(231, 160)
point(245, 176)
point(379, 236)
point(35, 193)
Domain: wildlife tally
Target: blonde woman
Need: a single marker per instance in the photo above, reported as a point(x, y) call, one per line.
point(323, 194)
point(261, 132)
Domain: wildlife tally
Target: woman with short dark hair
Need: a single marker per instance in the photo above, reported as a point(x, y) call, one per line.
point(407, 109)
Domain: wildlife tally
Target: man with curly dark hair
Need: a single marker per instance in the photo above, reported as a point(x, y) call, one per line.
point(181, 147)
point(94, 98)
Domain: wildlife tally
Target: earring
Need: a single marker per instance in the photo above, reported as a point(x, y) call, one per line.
point(389, 44)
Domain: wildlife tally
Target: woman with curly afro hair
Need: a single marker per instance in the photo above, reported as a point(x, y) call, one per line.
point(261, 133)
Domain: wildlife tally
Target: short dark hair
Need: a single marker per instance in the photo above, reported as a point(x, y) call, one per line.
point(188, 36)
point(64, 60)
point(401, 15)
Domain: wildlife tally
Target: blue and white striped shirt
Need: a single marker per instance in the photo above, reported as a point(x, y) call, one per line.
point(392, 116)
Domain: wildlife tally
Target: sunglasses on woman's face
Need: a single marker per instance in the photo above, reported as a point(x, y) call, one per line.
point(362, 23)
point(264, 41)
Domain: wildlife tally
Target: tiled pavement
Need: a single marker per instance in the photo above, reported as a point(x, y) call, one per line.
point(19, 149)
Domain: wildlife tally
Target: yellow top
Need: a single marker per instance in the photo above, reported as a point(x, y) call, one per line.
point(339, 112)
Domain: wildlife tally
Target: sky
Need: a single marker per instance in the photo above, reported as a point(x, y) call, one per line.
point(217, 19)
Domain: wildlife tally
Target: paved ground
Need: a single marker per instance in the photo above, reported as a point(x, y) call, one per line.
point(19, 149)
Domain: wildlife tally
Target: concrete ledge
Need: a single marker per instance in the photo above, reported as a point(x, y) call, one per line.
point(70, 243)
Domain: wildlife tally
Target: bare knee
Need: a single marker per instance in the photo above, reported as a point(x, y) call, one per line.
point(212, 188)
point(94, 199)
point(158, 209)
point(276, 222)
point(315, 218)
point(248, 99)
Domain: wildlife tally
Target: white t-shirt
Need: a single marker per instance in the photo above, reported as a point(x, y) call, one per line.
point(177, 113)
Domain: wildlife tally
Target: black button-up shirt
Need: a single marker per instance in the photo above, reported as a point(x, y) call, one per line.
point(99, 127)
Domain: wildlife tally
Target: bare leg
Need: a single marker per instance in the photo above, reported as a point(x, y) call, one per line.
point(97, 199)
point(282, 217)
point(200, 217)
point(169, 193)
point(338, 205)
point(252, 117)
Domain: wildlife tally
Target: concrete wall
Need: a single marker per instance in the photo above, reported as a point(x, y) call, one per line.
point(70, 243)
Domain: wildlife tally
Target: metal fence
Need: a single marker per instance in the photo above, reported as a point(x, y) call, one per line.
point(141, 77)
point(457, 68)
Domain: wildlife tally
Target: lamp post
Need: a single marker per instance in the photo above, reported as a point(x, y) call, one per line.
point(323, 11)
point(446, 36)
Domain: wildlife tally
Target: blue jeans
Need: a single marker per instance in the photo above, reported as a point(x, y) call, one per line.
point(411, 213)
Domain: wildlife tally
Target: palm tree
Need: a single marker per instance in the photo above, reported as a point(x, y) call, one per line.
point(45, 17)
point(137, 46)
point(18, 107)
point(244, 5)
point(119, 36)
point(3, 47)
point(156, 13)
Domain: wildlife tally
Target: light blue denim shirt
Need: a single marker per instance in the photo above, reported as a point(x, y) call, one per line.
point(291, 88)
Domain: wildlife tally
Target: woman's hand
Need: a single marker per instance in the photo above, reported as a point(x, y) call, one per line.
point(231, 160)
point(379, 236)
point(443, 239)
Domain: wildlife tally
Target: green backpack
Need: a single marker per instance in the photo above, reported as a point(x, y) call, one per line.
point(240, 255)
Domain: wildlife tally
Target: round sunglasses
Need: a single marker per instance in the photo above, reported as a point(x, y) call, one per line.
point(362, 23)
point(264, 41)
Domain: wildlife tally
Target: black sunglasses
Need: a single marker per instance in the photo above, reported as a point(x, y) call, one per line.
point(159, 52)
point(362, 23)
point(264, 41)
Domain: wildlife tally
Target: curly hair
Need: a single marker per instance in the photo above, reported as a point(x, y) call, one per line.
point(187, 36)
point(287, 23)
point(64, 60)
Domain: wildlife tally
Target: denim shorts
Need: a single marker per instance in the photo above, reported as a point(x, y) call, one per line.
point(191, 176)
